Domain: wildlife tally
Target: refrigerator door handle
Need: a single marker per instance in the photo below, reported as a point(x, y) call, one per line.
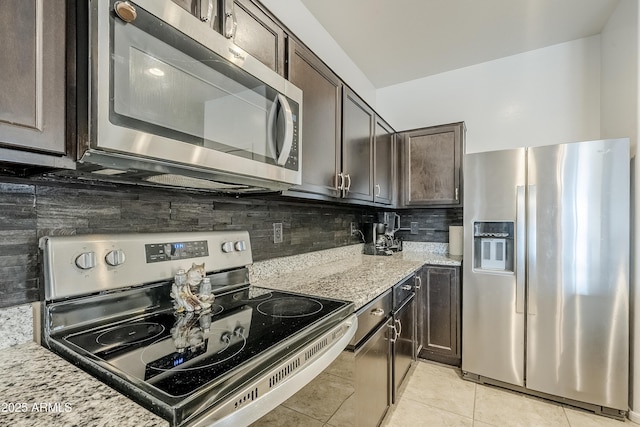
point(520, 247)
point(532, 279)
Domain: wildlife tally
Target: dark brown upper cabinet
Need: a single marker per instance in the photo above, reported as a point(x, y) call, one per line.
point(32, 87)
point(356, 178)
point(383, 141)
point(250, 26)
point(321, 122)
point(432, 166)
point(255, 31)
point(338, 137)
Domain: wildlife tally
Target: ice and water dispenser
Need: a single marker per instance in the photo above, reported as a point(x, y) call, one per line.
point(494, 246)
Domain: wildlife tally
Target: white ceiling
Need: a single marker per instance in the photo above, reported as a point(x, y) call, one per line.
point(393, 41)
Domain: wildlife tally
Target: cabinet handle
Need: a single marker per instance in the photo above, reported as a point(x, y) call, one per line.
point(211, 12)
point(457, 196)
point(378, 190)
point(341, 184)
point(348, 185)
point(230, 21)
point(395, 333)
point(405, 287)
point(378, 312)
point(418, 280)
point(399, 330)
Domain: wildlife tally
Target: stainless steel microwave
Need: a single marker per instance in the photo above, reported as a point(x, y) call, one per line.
point(172, 102)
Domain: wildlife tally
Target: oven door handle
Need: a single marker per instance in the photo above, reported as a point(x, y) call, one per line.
point(280, 156)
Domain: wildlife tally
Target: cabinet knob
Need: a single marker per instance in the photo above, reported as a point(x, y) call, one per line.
point(125, 11)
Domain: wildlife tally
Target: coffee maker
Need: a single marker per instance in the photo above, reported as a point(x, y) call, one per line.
point(380, 236)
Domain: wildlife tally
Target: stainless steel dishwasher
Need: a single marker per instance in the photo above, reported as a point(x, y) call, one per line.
point(371, 347)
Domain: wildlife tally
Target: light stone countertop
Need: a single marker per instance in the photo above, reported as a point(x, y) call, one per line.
point(52, 392)
point(354, 277)
point(16, 325)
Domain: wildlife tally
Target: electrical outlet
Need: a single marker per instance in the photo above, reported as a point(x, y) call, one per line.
point(354, 229)
point(414, 228)
point(277, 232)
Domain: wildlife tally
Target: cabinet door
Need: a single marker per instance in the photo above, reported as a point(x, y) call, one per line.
point(440, 331)
point(432, 163)
point(404, 345)
point(255, 32)
point(357, 143)
point(383, 155)
point(205, 10)
point(32, 66)
point(321, 121)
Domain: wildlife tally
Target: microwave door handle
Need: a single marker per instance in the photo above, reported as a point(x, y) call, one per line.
point(272, 140)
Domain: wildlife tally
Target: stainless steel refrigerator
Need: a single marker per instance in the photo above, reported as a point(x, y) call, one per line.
point(546, 271)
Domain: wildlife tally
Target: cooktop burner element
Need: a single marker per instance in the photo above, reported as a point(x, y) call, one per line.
point(194, 368)
point(130, 334)
point(290, 307)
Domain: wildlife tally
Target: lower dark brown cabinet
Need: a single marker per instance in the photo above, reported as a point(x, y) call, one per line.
point(439, 311)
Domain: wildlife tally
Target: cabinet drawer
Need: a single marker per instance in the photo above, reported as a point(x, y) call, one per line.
point(372, 315)
point(403, 291)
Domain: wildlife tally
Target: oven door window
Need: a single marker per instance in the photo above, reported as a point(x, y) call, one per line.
point(164, 83)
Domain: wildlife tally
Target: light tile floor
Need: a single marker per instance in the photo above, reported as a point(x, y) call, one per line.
point(433, 396)
point(436, 395)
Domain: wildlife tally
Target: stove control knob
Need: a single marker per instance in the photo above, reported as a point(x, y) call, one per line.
point(227, 247)
point(115, 258)
point(241, 246)
point(86, 260)
point(239, 331)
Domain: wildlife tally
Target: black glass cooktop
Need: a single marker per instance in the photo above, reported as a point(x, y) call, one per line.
point(178, 354)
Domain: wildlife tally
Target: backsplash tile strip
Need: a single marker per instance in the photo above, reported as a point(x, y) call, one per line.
point(33, 208)
point(37, 207)
point(433, 224)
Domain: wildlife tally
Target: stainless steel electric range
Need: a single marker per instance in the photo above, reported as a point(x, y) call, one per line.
point(110, 308)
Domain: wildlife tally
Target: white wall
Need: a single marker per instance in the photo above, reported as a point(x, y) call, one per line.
point(545, 96)
point(619, 88)
point(306, 27)
point(619, 118)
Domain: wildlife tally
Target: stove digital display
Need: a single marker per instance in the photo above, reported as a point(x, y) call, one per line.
point(158, 252)
point(173, 360)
